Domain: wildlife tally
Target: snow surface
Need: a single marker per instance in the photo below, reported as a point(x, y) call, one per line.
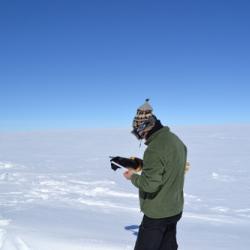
point(57, 191)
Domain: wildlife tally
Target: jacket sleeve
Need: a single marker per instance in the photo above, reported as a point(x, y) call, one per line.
point(151, 178)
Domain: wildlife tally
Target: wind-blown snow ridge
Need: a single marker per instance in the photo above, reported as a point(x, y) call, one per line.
point(6, 165)
point(211, 218)
point(93, 183)
point(223, 178)
point(72, 192)
point(4, 222)
point(106, 204)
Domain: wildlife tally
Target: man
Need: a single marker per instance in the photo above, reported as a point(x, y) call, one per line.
point(160, 183)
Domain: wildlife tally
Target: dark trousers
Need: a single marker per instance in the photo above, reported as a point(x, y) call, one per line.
point(157, 234)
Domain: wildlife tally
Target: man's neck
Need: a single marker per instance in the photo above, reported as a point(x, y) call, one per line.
point(156, 127)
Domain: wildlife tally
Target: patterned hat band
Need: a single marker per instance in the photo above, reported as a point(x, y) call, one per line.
point(141, 118)
point(144, 120)
point(143, 113)
point(142, 127)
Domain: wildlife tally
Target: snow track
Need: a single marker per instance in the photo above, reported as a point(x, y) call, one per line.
point(8, 241)
point(13, 243)
point(2, 238)
point(20, 244)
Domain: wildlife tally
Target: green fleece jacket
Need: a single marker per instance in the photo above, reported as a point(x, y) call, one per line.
point(162, 179)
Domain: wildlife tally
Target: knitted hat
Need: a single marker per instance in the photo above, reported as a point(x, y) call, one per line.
point(143, 114)
point(144, 120)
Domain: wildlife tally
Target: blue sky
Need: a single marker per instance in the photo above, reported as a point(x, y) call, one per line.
point(73, 64)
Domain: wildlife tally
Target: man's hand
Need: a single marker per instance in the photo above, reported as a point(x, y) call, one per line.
point(129, 173)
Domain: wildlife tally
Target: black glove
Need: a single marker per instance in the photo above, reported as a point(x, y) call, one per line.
point(133, 162)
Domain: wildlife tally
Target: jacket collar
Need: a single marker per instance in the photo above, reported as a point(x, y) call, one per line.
point(156, 134)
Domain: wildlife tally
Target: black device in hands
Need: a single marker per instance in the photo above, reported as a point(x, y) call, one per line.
point(122, 162)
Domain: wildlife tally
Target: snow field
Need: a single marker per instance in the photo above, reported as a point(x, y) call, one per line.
point(57, 191)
